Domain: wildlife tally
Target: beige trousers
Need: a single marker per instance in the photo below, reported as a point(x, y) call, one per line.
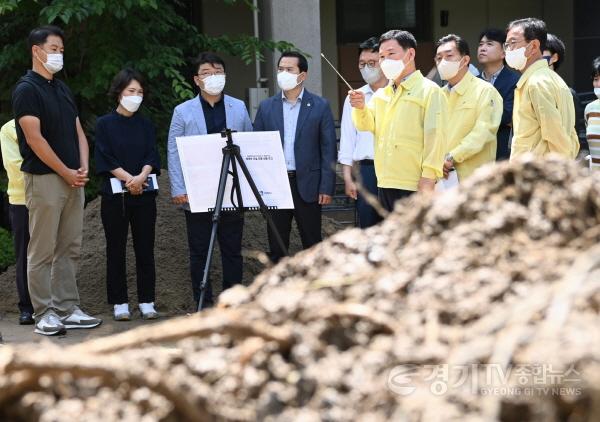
point(55, 228)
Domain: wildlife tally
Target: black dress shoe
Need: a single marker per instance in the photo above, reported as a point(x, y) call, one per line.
point(26, 318)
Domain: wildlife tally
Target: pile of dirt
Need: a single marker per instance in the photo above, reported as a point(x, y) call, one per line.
point(502, 273)
point(173, 285)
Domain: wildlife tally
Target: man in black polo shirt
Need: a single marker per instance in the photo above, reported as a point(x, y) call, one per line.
point(55, 164)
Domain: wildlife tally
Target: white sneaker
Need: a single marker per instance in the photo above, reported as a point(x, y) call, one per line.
point(79, 319)
point(148, 311)
point(122, 312)
point(49, 325)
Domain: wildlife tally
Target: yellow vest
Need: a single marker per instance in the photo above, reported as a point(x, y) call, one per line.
point(474, 110)
point(408, 127)
point(543, 114)
point(11, 158)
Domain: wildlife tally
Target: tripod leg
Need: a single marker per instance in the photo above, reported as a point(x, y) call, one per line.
point(215, 223)
point(236, 182)
point(263, 207)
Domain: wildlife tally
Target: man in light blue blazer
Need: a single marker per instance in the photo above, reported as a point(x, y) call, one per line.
point(209, 112)
point(308, 138)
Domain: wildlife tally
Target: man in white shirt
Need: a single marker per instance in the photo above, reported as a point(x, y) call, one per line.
point(357, 147)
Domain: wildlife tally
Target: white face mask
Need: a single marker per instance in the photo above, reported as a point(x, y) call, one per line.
point(516, 58)
point(214, 84)
point(370, 74)
point(54, 62)
point(131, 103)
point(597, 92)
point(448, 69)
point(392, 68)
point(287, 81)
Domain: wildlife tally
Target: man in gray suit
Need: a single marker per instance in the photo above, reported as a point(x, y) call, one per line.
point(209, 112)
point(305, 123)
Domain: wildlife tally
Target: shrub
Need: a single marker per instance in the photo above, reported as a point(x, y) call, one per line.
point(7, 253)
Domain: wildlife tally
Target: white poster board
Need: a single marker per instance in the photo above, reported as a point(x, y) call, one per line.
point(201, 157)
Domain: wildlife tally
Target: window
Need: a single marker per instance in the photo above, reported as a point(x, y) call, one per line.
point(358, 20)
point(400, 14)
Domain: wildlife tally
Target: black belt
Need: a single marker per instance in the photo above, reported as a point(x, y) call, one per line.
point(291, 174)
point(367, 162)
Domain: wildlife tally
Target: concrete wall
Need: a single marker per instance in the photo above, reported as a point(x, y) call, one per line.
point(298, 22)
point(311, 26)
point(468, 17)
point(330, 49)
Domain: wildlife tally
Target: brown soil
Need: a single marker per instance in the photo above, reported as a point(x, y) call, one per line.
point(173, 285)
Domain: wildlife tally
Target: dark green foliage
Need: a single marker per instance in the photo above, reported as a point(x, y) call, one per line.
point(103, 36)
point(7, 254)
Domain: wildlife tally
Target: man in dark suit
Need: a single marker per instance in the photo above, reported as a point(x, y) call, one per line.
point(308, 138)
point(490, 55)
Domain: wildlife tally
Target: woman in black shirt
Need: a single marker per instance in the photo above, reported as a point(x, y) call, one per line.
point(126, 150)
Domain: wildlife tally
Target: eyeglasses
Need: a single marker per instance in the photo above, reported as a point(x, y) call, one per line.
point(370, 64)
point(204, 75)
point(510, 45)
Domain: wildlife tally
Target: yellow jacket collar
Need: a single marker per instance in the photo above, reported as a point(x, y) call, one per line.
point(408, 83)
point(412, 80)
point(464, 84)
point(540, 64)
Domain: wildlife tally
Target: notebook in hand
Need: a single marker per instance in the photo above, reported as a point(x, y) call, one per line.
point(118, 186)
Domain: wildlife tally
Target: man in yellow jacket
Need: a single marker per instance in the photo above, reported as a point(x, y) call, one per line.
point(543, 114)
point(407, 119)
point(474, 110)
point(18, 214)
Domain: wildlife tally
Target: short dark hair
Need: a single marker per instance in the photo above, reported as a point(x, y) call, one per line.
point(461, 43)
point(555, 46)
point(39, 36)
point(302, 62)
point(207, 57)
point(533, 29)
point(596, 67)
point(122, 80)
point(494, 34)
point(371, 45)
point(404, 38)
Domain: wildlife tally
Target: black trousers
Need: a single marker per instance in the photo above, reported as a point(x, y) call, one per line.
point(19, 226)
point(229, 236)
point(389, 196)
point(308, 219)
point(367, 216)
point(118, 213)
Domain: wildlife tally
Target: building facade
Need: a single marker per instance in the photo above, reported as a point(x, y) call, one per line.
point(335, 27)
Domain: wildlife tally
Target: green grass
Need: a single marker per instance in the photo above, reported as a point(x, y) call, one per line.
point(7, 253)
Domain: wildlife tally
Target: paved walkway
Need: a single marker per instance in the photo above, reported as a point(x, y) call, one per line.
point(13, 333)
